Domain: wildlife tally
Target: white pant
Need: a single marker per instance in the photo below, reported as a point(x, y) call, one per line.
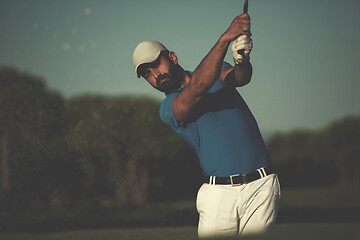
point(250, 208)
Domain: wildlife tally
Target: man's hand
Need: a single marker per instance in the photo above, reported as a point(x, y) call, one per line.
point(237, 27)
point(244, 44)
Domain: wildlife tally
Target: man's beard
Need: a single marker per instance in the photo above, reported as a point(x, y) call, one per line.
point(172, 80)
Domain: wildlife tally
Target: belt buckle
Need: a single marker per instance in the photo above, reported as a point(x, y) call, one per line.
point(232, 182)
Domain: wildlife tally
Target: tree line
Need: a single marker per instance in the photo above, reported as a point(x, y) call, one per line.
point(329, 155)
point(95, 150)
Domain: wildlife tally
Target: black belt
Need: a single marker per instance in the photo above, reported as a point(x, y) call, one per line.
point(239, 179)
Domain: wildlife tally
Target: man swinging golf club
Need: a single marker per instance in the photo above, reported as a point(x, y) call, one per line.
point(240, 192)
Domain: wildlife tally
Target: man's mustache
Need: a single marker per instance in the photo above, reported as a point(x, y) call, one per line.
point(161, 77)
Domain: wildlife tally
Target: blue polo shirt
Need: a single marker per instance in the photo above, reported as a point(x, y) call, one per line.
point(222, 131)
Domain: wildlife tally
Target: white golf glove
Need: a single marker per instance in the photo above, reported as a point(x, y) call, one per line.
point(244, 43)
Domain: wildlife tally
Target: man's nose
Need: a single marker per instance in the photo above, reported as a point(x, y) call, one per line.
point(155, 72)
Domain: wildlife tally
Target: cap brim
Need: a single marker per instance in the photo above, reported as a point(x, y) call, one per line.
point(148, 59)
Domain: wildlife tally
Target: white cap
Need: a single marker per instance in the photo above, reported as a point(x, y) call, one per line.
point(146, 52)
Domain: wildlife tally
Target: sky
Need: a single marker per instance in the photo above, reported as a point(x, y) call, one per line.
point(305, 59)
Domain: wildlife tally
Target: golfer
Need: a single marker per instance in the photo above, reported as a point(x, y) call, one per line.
point(241, 191)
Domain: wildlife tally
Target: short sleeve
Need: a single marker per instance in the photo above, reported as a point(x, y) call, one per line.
point(225, 64)
point(167, 114)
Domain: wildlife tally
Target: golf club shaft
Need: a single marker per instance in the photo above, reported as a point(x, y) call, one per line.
point(246, 5)
point(245, 10)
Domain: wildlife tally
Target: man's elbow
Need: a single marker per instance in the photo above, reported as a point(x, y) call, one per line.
point(243, 81)
point(246, 80)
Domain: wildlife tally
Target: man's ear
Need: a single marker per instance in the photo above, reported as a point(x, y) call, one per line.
point(173, 57)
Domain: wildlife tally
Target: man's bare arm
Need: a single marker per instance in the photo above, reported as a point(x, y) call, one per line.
point(209, 70)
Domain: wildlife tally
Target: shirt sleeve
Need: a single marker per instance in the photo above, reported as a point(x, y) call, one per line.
point(167, 114)
point(226, 64)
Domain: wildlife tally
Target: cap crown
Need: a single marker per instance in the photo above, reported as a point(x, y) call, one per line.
point(146, 52)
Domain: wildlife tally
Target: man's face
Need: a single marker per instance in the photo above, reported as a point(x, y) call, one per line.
point(163, 74)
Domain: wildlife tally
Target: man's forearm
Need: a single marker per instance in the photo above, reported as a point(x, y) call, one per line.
point(209, 69)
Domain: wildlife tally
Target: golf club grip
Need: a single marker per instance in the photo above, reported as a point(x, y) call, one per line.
point(241, 51)
point(245, 10)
